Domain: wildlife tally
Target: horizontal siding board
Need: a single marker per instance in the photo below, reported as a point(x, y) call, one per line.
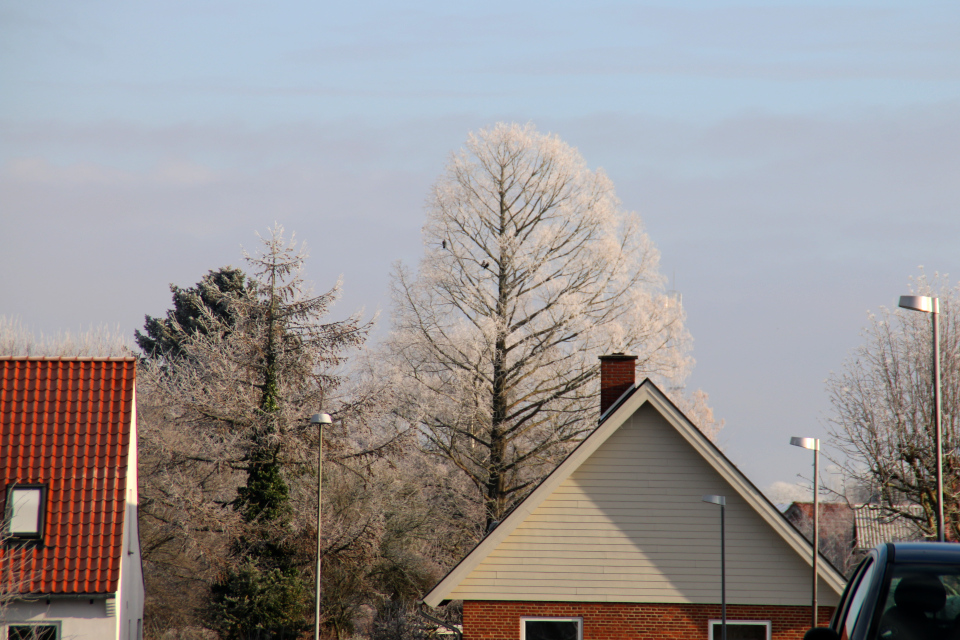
point(606, 595)
point(614, 598)
point(640, 577)
point(649, 593)
point(738, 535)
point(691, 583)
point(635, 571)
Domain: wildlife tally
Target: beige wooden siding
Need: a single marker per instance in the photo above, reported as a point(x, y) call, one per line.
point(629, 526)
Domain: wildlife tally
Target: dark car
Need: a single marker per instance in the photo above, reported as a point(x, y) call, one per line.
point(900, 591)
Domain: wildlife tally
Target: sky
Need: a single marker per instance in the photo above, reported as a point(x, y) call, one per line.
point(796, 163)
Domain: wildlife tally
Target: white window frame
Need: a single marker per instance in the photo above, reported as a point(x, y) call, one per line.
point(716, 623)
point(525, 619)
point(5, 627)
point(12, 490)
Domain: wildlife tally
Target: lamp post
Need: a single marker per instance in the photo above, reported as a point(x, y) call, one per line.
point(722, 501)
point(319, 419)
point(931, 305)
point(814, 445)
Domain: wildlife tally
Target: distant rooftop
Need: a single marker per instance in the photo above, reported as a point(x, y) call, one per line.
point(874, 526)
point(867, 524)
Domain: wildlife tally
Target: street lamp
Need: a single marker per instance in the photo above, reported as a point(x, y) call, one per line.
point(722, 501)
point(931, 305)
point(813, 444)
point(319, 419)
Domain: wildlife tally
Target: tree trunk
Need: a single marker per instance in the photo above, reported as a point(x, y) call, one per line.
point(496, 482)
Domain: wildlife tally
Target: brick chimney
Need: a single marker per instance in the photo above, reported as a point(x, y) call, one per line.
point(617, 374)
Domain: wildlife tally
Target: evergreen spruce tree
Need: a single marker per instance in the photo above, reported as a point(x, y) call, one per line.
point(196, 310)
point(265, 595)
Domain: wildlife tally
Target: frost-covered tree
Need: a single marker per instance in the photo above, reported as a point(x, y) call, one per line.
point(883, 409)
point(284, 344)
point(532, 269)
point(228, 472)
point(226, 452)
point(100, 342)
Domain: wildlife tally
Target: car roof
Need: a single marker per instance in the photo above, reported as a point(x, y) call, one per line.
point(925, 552)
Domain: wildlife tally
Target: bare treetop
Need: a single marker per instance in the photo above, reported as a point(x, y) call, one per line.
point(883, 410)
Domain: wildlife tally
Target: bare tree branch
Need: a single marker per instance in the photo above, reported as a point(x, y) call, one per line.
point(883, 409)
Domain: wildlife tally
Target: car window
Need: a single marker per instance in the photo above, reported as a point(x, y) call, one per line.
point(844, 605)
point(857, 597)
point(923, 602)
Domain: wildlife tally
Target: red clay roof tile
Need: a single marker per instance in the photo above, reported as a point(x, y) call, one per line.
point(66, 423)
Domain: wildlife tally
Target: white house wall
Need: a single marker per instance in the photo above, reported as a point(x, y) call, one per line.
point(629, 525)
point(130, 597)
point(78, 618)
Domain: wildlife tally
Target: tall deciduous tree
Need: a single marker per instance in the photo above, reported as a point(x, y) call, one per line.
point(883, 409)
point(531, 270)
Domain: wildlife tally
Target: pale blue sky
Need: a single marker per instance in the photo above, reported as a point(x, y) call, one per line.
point(794, 161)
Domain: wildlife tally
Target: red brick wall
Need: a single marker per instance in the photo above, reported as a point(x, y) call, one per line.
point(618, 373)
point(485, 620)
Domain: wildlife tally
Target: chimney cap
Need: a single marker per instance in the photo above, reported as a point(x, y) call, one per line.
point(619, 355)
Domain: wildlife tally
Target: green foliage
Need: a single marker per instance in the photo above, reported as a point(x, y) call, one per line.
point(252, 603)
point(266, 497)
point(196, 310)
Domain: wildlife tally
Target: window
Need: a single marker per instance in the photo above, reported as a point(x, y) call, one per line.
point(857, 598)
point(923, 601)
point(32, 632)
point(741, 629)
point(25, 509)
point(551, 628)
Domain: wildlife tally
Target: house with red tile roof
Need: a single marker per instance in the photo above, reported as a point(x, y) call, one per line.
point(70, 564)
point(617, 543)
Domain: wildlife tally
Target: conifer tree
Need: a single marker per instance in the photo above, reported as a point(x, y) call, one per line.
point(198, 309)
point(286, 351)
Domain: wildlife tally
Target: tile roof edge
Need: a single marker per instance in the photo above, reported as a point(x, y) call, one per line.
point(59, 595)
point(71, 358)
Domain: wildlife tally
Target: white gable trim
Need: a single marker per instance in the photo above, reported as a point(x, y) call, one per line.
point(647, 392)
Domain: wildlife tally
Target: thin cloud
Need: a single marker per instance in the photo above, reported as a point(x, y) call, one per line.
point(169, 173)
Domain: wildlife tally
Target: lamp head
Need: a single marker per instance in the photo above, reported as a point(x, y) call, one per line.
point(720, 500)
point(926, 304)
point(321, 418)
point(806, 443)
